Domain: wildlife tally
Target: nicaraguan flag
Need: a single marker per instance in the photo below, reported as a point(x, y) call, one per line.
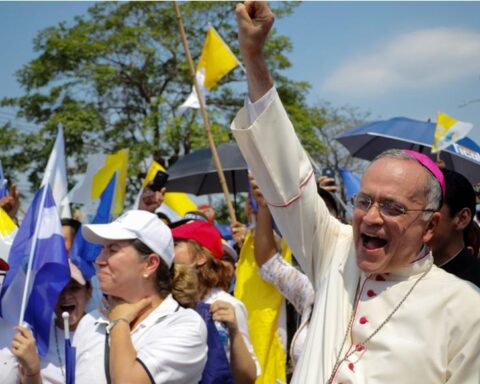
point(50, 271)
point(84, 253)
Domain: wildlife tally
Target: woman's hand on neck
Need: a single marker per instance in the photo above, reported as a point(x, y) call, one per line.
point(133, 311)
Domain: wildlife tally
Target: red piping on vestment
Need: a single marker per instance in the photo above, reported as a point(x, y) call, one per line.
point(354, 315)
point(292, 200)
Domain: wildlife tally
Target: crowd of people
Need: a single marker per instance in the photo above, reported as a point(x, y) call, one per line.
point(390, 296)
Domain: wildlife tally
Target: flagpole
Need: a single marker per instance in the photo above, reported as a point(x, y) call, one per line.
point(203, 111)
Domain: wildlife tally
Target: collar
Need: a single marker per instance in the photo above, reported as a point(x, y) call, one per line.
point(423, 261)
point(453, 257)
point(212, 292)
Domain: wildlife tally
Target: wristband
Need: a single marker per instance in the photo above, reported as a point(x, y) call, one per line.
point(113, 323)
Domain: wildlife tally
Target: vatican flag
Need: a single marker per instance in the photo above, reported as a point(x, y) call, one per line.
point(448, 131)
point(215, 62)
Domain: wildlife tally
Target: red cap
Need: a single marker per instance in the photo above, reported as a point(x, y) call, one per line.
point(203, 233)
point(3, 265)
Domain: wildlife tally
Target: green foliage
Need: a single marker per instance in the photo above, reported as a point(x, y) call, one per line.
point(115, 77)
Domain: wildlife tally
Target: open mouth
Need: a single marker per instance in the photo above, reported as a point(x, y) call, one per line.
point(373, 242)
point(67, 308)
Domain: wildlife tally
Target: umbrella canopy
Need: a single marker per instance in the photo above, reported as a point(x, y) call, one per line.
point(196, 172)
point(369, 140)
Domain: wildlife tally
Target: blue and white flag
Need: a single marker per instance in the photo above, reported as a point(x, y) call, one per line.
point(49, 274)
point(56, 175)
point(83, 253)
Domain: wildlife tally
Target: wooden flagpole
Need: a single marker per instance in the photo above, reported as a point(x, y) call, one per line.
point(203, 111)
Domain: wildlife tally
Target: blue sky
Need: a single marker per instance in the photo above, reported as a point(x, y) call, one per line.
point(388, 58)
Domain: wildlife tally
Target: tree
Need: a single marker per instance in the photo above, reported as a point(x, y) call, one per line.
point(338, 120)
point(115, 78)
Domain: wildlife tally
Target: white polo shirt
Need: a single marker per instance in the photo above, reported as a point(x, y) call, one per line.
point(171, 343)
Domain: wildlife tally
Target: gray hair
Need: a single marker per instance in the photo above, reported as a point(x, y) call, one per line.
point(433, 191)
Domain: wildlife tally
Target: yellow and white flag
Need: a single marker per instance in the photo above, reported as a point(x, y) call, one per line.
point(100, 169)
point(448, 131)
point(8, 230)
point(175, 204)
point(215, 62)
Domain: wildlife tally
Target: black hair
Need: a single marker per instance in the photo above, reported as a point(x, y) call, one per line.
point(75, 224)
point(459, 193)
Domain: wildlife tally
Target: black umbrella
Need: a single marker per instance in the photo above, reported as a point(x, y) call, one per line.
point(196, 173)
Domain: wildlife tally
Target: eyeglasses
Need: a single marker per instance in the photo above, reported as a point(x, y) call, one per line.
point(387, 207)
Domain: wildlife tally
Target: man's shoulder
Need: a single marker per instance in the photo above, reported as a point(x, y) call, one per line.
point(466, 266)
point(453, 287)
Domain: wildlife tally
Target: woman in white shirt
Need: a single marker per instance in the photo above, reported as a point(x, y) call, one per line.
point(198, 243)
point(146, 335)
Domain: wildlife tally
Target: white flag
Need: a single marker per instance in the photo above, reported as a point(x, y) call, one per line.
point(56, 175)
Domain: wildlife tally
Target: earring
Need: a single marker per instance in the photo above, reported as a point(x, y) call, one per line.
point(145, 275)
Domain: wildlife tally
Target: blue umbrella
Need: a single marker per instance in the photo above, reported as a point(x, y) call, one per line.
point(369, 140)
point(70, 352)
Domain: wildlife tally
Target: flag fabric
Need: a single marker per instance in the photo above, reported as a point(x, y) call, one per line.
point(217, 369)
point(263, 302)
point(100, 169)
point(175, 204)
point(8, 230)
point(448, 131)
point(215, 62)
point(50, 271)
point(3, 183)
point(351, 182)
point(84, 253)
point(56, 175)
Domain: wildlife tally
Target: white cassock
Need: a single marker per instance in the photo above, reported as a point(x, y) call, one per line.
point(433, 337)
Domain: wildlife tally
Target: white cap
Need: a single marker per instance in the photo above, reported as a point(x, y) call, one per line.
point(135, 224)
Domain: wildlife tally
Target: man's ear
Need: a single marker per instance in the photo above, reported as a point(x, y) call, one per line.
point(462, 219)
point(430, 228)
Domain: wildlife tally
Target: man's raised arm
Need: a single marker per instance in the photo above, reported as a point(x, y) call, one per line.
point(255, 19)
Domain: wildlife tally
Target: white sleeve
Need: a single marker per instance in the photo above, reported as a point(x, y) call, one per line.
point(257, 108)
point(288, 184)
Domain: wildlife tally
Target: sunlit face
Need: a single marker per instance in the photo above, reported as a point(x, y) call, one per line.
point(384, 243)
point(184, 254)
point(120, 270)
point(73, 300)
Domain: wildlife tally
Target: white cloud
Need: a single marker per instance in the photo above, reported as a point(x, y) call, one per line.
point(419, 60)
